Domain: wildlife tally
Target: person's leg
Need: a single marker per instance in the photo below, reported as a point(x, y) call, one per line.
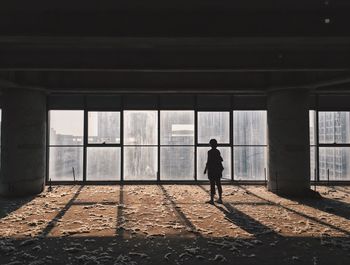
point(218, 183)
point(212, 189)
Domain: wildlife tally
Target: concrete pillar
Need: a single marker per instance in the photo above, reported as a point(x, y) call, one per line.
point(288, 141)
point(23, 156)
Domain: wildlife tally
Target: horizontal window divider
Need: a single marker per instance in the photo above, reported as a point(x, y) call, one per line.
point(140, 145)
point(208, 145)
point(103, 145)
point(65, 145)
point(164, 182)
point(216, 110)
point(249, 145)
point(103, 110)
point(334, 145)
point(179, 145)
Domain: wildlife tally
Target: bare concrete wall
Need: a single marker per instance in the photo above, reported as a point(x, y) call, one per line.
point(288, 135)
point(23, 157)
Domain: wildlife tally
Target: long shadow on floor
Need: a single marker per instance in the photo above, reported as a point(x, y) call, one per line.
point(60, 214)
point(9, 205)
point(120, 218)
point(245, 222)
point(306, 216)
point(339, 208)
point(181, 216)
point(341, 189)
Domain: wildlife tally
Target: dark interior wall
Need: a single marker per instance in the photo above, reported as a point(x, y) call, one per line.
point(175, 18)
point(157, 101)
point(322, 102)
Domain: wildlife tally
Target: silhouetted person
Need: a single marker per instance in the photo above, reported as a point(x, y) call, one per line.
point(214, 168)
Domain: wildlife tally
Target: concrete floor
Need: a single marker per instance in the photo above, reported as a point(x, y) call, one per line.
point(172, 224)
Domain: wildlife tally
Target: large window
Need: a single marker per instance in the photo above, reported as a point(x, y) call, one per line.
point(249, 145)
point(334, 145)
point(213, 125)
point(173, 144)
point(135, 145)
point(140, 145)
point(104, 150)
point(177, 145)
point(66, 145)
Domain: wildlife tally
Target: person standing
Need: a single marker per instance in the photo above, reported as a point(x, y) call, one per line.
point(214, 168)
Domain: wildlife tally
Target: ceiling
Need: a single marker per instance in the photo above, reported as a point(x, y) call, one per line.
point(128, 46)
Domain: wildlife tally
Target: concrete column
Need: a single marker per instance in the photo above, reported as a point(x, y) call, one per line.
point(288, 141)
point(23, 156)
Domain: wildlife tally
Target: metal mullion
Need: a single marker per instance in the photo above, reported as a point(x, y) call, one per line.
point(251, 145)
point(47, 143)
point(195, 140)
point(334, 145)
point(100, 109)
point(207, 145)
point(103, 145)
point(231, 142)
point(174, 145)
point(66, 145)
point(215, 110)
point(85, 140)
point(233, 149)
point(158, 144)
point(140, 145)
point(121, 127)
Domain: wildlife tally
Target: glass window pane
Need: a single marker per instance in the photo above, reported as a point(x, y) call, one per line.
point(65, 162)
point(249, 162)
point(337, 161)
point(177, 163)
point(202, 155)
point(312, 125)
point(104, 127)
point(140, 128)
point(177, 127)
point(103, 163)
point(214, 125)
point(334, 127)
point(66, 127)
point(312, 162)
point(249, 127)
point(140, 163)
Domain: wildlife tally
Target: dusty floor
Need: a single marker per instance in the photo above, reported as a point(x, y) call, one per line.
point(172, 224)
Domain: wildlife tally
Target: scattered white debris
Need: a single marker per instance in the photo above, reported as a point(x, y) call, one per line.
point(167, 255)
point(219, 257)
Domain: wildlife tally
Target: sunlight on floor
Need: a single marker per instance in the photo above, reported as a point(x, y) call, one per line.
point(175, 210)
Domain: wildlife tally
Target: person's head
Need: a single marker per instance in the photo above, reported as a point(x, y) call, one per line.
point(213, 143)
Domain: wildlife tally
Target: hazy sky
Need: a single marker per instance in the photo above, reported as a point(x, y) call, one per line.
point(67, 122)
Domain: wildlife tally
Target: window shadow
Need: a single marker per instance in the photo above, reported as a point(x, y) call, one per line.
point(328, 205)
point(46, 231)
point(306, 216)
point(242, 220)
point(342, 190)
point(180, 215)
point(9, 205)
point(120, 218)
